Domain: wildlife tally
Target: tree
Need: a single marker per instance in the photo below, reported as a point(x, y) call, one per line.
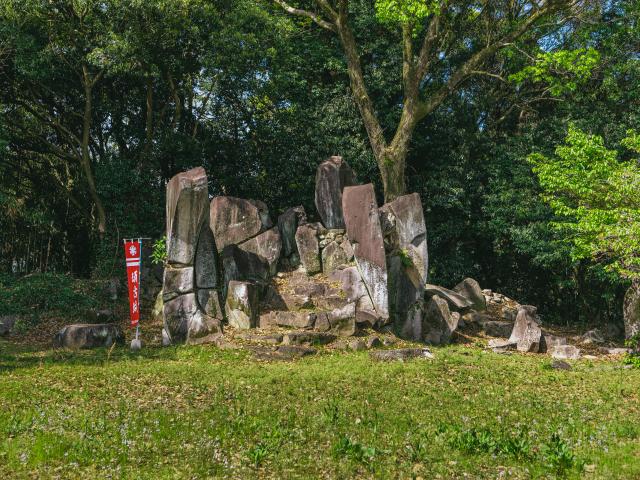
point(443, 44)
point(596, 196)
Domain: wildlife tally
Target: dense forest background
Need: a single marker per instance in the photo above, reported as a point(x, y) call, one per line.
point(102, 102)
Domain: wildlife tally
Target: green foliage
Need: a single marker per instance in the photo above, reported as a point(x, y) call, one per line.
point(595, 196)
point(345, 447)
point(633, 358)
point(159, 253)
point(48, 293)
point(559, 454)
point(405, 11)
point(562, 71)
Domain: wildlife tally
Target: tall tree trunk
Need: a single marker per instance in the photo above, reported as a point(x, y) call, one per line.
point(85, 158)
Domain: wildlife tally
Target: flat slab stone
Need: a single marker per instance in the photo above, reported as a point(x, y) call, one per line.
point(286, 319)
point(401, 354)
point(86, 335)
point(499, 345)
point(332, 176)
point(307, 338)
point(456, 301)
point(266, 338)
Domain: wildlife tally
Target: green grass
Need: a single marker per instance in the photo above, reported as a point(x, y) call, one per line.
point(198, 412)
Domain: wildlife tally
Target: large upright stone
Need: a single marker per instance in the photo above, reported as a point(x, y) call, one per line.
point(187, 207)
point(308, 245)
point(362, 222)
point(332, 176)
point(191, 308)
point(235, 220)
point(288, 224)
point(405, 236)
point(631, 311)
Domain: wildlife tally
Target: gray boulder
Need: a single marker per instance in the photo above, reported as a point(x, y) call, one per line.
point(186, 321)
point(267, 246)
point(332, 176)
point(190, 292)
point(526, 331)
point(362, 222)
point(288, 224)
point(565, 352)
point(342, 321)
point(497, 328)
point(470, 289)
point(333, 256)
point(242, 305)
point(438, 324)
point(87, 335)
point(235, 220)
point(456, 301)
point(308, 245)
point(177, 281)
point(6, 323)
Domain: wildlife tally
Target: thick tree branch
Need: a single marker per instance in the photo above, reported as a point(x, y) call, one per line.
point(305, 13)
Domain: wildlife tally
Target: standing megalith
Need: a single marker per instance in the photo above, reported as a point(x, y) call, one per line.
point(332, 176)
point(405, 239)
point(362, 222)
point(191, 297)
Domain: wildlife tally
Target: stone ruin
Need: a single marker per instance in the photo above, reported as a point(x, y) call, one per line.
point(360, 266)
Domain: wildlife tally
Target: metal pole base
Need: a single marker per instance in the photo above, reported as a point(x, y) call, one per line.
point(136, 345)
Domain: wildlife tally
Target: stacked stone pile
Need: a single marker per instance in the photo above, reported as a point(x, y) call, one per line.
point(360, 267)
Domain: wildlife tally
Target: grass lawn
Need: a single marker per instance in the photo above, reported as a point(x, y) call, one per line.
point(199, 412)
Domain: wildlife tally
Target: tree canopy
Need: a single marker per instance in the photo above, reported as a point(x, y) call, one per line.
point(102, 102)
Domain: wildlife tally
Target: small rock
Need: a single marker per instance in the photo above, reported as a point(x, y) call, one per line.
point(136, 345)
point(616, 351)
point(373, 342)
point(295, 351)
point(592, 336)
point(401, 354)
point(560, 365)
point(6, 323)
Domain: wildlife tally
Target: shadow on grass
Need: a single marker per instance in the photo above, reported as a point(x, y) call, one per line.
point(14, 357)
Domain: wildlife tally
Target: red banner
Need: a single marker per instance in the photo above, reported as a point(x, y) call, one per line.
point(133, 253)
